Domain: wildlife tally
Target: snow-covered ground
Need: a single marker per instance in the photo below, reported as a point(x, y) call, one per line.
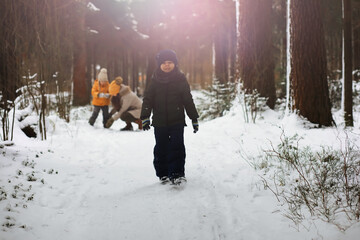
point(93, 183)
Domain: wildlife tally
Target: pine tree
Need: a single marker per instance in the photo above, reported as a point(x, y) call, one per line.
point(308, 62)
point(347, 68)
point(256, 60)
point(80, 90)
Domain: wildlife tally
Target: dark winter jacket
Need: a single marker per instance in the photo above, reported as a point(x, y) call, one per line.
point(167, 95)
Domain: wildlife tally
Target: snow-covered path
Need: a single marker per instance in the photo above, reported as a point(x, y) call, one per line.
point(104, 187)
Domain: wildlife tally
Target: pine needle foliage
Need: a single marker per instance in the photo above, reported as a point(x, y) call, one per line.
point(324, 183)
point(218, 100)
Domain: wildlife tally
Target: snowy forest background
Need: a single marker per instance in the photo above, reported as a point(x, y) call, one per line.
point(57, 47)
point(293, 57)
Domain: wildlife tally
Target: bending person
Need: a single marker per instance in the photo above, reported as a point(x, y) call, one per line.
point(126, 105)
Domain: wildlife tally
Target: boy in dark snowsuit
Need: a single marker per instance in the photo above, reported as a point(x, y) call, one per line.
point(166, 96)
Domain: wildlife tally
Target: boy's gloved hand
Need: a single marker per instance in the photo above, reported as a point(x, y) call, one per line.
point(106, 95)
point(109, 123)
point(195, 125)
point(146, 124)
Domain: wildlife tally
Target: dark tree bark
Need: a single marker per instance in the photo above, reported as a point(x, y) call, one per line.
point(347, 68)
point(125, 67)
point(151, 66)
point(221, 55)
point(233, 42)
point(308, 62)
point(256, 60)
point(225, 41)
point(80, 97)
point(80, 91)
point(10, 64)
point(135, 71)
point(356, 38)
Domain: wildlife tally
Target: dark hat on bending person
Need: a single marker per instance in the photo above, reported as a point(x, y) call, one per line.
point(166, 55)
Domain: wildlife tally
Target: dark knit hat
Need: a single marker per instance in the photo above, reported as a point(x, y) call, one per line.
point(166, 55)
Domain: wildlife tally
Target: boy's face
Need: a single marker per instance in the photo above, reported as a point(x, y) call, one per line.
point(167, 66)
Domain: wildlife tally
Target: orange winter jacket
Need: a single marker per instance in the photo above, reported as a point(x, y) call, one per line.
point(114, 88)
point(96, 89)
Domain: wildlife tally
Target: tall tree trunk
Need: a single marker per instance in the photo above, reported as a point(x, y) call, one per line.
point(221, 55)
point(356, 50)
point(233, 42)
point(256, 60)
point(10, 65)
point(283, 47)
point(308, 62)
point(90, 69)
point(223, 31)
point(125, 67)
point(80, 91)
point(193, 67)
point(347, 68)
point(135, 71)
point(333, 37)
point(151, 66)
point(356, 38)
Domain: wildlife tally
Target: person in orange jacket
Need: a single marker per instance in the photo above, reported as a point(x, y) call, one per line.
point(101, 97)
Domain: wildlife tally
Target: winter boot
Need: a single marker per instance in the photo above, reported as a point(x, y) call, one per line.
point(92, 121)
point(178, 181)
point(128, 127)
point(164, 180)
point(139, 123)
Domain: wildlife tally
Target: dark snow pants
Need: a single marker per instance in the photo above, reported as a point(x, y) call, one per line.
point(127, 117)
point(105, 113)
point(169, 151)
